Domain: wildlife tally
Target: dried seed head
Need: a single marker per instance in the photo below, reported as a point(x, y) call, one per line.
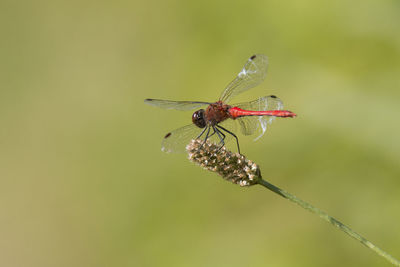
point(233, 167)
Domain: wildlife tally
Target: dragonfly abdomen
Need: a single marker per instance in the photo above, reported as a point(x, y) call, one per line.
point(236, 112)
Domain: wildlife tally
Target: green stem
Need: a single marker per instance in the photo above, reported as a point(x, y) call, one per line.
point(330, 219)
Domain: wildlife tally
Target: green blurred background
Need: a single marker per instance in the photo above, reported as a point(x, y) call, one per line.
point(83, 181)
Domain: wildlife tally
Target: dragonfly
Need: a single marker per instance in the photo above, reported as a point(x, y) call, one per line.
point(211, 118)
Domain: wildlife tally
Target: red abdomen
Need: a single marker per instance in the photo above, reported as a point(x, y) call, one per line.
point(236, 112)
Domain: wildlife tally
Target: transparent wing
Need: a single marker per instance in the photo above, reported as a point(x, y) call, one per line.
point(252, 74)
point(177, 140)
point(178, 105)
point(252, 124)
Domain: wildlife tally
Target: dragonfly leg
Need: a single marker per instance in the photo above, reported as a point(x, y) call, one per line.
point(212, 133)
point(205, 128)
point(224, 136)
point(207, 135)
point(219, 133)
point(222, 139)
point(237, 140)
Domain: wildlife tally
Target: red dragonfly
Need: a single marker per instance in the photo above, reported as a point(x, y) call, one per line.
point(252, 116)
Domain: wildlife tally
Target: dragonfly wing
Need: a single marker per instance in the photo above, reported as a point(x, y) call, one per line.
point(177, 140)
point(252, 124)
point(178, 105)
point(252, 74)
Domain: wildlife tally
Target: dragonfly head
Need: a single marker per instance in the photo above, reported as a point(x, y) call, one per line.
point(198, 118)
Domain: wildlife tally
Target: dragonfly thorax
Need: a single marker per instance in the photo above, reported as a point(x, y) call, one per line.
point(216, 112)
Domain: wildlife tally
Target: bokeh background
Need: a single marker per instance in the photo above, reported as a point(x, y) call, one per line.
point(83, 181)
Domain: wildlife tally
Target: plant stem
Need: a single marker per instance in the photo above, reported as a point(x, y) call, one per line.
point(329, 219)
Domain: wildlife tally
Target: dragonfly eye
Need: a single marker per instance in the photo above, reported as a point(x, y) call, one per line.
point(198, 118)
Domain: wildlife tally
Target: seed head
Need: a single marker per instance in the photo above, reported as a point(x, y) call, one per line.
point(231, 166)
